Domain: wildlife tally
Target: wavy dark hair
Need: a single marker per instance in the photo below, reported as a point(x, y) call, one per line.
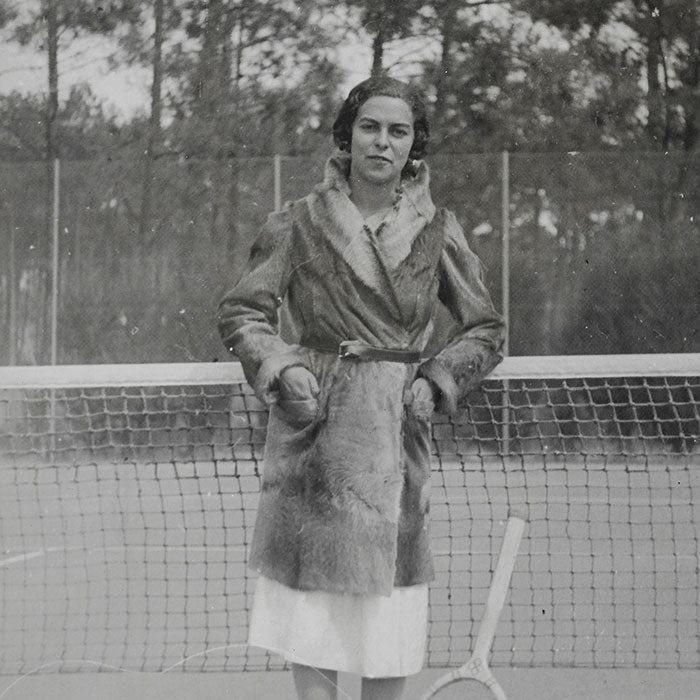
point(387, 87)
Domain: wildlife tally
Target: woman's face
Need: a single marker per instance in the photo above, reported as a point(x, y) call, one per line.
point(382, 136)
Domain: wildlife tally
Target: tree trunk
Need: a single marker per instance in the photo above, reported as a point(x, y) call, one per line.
point(52, 105)
point(214, 71)
point(691, 131)
point(154, 126)
point(378, 52)
point(448, 22)
point(655, 98)
point(232, 229)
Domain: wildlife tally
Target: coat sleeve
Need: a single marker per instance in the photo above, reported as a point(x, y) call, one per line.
point(476, 347)
point(248, 315)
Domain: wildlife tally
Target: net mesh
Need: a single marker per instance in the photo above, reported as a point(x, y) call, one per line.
point(127, 502)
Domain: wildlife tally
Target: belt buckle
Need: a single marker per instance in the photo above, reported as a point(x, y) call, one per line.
point(344, 350)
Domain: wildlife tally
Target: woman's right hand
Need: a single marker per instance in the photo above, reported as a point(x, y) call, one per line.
point(297, 383)
point(298, 394)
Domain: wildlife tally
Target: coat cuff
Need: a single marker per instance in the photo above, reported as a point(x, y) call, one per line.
point(266, 384)
point(443, 383)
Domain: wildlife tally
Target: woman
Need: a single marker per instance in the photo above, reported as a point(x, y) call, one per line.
point(341, 539)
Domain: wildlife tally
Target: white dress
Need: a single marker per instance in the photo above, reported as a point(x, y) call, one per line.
point(372, 636)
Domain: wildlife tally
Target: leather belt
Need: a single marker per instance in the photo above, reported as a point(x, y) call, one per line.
point(355, 350)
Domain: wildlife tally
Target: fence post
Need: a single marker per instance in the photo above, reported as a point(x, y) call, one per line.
point(54, 298)
point(286, 324)
point(278, 181)
point(505, 286)
point(12, 289)
point(54, 262)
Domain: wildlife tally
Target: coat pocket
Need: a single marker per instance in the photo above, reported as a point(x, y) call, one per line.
point(298, 412)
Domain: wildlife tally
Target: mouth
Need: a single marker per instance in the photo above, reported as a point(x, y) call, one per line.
point(379, 159)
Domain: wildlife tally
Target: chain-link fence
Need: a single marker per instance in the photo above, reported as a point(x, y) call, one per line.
point(604, 250)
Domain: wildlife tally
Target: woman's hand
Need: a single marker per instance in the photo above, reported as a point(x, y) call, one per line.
point(297, 383)
point(298, 391)
point(422, 401)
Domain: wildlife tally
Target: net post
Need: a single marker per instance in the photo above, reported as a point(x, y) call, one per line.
point(505, 293)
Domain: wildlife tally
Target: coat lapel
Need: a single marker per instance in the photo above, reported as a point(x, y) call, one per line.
point(342, 227)
point(334, 214)
point(415, 211)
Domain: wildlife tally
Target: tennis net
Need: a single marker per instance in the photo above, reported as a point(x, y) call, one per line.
point(128, 494)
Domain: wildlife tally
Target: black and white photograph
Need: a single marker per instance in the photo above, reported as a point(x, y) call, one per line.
point(350, 349)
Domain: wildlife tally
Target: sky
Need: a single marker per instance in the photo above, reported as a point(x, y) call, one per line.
point(24, 69)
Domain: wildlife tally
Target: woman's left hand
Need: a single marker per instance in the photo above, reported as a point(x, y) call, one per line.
point(422, 403)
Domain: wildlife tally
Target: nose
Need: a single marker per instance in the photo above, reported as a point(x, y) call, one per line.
point(382, 139)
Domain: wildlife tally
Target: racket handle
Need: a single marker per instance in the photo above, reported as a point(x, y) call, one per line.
point(499, 584)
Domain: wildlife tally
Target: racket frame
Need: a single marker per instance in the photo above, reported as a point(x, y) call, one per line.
point(477, 668)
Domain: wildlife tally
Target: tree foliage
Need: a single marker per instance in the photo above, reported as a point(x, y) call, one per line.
point(74, 18)
point(662, 48)
point(385, 21)
point(518, 75)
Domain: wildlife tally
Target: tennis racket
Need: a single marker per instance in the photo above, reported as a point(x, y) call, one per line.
point(477, 670)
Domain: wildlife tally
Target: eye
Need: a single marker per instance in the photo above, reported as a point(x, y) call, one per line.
point(400, 131)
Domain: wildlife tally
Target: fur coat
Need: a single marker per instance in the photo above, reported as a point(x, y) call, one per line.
point(345, 498)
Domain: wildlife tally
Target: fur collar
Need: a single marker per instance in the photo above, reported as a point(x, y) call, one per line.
point(332, 210)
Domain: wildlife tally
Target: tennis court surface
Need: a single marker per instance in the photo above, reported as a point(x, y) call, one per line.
point(519, 684)
point(128, 494)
